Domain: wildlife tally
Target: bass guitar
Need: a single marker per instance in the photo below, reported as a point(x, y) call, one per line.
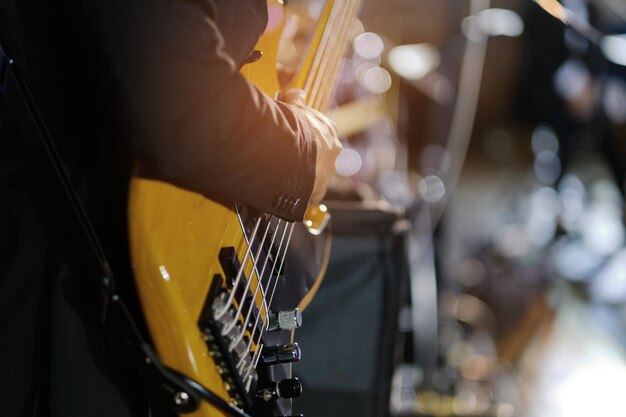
point(222, 288)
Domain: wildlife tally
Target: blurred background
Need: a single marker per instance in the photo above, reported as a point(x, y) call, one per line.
point(479, 258)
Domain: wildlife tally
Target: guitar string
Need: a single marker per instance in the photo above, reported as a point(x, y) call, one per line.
point(247, 379)
point(315, 64)
point(320, 61)
point(219, 314)
point(330, 72)
point(311, 97)
point(339, 15)
point(330, 64)
point(326, 40)
point(340, 49)
point(346, 33)
point(318, 57)
point(257, 353)
point(271, 274)
point(258, 286)
point(313, 82)
point(227, 328)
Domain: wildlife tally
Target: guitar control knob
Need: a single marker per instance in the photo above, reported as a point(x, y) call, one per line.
point(287, 388)
point(285, 320)
point(273, 355)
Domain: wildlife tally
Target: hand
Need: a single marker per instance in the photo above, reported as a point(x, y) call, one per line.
point(325, 139)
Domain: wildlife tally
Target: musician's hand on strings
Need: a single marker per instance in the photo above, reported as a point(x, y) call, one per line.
point(325, 139)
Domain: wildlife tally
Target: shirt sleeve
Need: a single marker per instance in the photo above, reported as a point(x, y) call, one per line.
point(200, 125)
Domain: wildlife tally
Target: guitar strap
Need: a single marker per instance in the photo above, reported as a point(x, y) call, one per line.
point(177, 391)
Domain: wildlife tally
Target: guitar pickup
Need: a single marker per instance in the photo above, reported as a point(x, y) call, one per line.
point(230, 265)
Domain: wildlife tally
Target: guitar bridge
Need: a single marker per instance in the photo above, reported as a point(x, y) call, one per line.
point(233, 360)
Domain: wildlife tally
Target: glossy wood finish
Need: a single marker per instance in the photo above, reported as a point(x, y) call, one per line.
point(175, 240)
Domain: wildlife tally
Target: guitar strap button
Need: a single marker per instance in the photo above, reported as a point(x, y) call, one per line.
point(254, 56)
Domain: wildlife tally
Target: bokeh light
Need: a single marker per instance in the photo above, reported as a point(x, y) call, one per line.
point(414, 61)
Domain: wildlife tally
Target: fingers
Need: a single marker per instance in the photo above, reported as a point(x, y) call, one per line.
point(328, 148)
point(325, 138)
point(319, 121)
point(293, 96)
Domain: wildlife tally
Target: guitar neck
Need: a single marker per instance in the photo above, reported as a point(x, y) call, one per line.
point(320, 67)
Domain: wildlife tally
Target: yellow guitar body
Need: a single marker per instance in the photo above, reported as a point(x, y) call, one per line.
point(176, 236)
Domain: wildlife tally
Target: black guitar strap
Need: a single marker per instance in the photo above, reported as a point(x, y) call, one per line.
point(180, 393)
